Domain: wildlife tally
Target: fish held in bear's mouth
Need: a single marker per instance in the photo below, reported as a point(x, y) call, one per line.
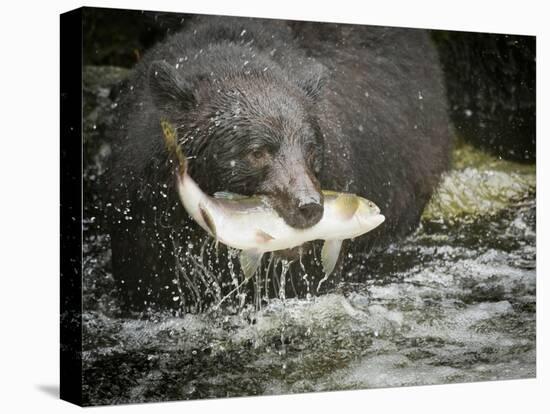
point(252, 225)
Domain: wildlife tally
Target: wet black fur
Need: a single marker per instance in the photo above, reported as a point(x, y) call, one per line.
point(279, 108)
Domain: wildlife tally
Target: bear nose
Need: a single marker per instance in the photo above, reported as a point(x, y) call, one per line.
point(310, 212)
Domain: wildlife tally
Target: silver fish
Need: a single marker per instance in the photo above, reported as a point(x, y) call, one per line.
point(251, 225)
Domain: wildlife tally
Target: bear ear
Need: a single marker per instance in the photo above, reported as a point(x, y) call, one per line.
point(313, 81)
point(168, 90)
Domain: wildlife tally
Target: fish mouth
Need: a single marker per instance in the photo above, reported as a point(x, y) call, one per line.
point(372, 221)
point(377, 219)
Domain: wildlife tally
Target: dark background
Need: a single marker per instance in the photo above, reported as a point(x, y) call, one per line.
point(490, 78)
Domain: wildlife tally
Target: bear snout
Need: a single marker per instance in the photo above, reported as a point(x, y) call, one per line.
point(302, 209)
point(295, 192)
point(302, 217)
point(310, 214)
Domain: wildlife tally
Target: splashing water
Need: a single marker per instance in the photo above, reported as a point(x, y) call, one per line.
point(453, 302)
point(285, 265)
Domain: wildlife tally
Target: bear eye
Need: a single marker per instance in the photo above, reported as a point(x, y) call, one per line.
point(312, 159)
point(317, 167)
point(259, 155)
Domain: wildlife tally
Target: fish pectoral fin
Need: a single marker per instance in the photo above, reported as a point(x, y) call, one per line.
point(250, 261)
point(329, 255)
point(263, 237)
point(227, 195)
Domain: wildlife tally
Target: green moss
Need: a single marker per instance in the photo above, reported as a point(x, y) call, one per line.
point(466, 156)
point(479, 184)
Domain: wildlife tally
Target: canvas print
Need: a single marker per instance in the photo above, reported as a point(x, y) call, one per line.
point(257, 206)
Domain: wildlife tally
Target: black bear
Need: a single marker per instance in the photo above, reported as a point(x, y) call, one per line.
point(269, 107)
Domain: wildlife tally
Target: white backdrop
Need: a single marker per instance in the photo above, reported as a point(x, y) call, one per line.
point(29, 215)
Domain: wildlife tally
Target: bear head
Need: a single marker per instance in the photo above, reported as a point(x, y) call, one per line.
point(252, 131)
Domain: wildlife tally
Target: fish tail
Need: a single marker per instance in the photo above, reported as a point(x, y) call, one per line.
point(171, 141)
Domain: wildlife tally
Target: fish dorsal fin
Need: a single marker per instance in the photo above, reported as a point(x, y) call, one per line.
point(250, 261)
point(207, 218)
point(227, 195)
point(346, 205)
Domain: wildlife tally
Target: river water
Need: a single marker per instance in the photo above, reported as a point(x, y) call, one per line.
point(454, 302)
